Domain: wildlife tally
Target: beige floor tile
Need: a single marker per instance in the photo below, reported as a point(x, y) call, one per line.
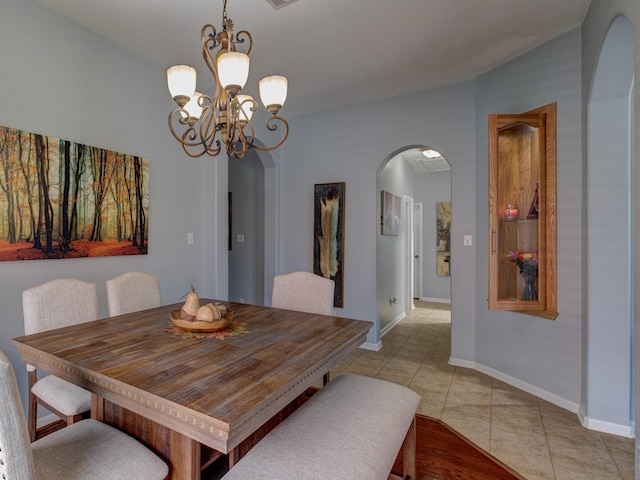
point(471, 421)
point(516, 419)
point(568, 468)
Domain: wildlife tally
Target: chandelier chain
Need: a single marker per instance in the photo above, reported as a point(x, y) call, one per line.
point(224, 15)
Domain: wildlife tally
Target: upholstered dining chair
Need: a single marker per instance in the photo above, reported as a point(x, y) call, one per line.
point(304, 292)
point(86, 449)
point(54, 304)
point(131, 292)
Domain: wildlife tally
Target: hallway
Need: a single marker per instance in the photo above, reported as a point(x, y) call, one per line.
point(532, 436)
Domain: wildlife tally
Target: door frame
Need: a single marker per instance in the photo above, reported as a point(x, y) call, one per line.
point(418, 221)
point(408, 252)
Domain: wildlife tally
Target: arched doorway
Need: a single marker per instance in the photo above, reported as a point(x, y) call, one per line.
point(420, 184)
point(607, 393)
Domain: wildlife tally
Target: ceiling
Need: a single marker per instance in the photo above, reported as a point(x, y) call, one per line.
point(336, 52)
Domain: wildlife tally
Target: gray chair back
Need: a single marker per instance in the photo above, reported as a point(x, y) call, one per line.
point(303, 292)
point(16, 457)
point(59, 303)
point(131, 292)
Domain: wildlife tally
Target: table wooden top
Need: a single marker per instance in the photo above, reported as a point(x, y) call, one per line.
point(214, 391)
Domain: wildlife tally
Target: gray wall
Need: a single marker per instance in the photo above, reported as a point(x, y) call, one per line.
point(431, 188)
point(396, 178)
point(596, 26)
point(544, 356)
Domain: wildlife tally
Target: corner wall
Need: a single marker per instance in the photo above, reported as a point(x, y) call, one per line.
point(540, 355)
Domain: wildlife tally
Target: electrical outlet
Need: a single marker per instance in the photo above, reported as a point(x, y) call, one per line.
point(467, 240)
point(190, 238)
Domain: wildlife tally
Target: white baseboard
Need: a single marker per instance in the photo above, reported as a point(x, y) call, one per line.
point(375, 347)
point(514, 382)
point(393, 323)
point(605, 427)
point(591, 424)
point(437, 300)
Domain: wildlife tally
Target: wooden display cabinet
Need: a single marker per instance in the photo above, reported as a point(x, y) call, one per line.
point(522, 212)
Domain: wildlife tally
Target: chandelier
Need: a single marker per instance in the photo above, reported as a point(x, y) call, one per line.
point(198, 118)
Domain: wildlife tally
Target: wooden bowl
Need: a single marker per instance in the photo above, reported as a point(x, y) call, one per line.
point(196, 326)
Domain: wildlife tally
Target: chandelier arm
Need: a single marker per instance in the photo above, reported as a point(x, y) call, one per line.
point(235, 138)
point(209, 42)
point(189, 135)
point(191, 142)
point(244, 143)
point(240, 38)
point(272, 127)
point(242, 139)
point(208, 129)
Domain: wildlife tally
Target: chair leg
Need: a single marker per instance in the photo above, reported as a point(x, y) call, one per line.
point(71, 419)
point(409, 453)
point(32, 406)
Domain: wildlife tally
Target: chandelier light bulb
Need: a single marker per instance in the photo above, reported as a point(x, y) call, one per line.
point(181, 80)
point(233, 69)
point(273, 91)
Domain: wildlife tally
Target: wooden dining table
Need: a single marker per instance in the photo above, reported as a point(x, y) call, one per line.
point(189, 397)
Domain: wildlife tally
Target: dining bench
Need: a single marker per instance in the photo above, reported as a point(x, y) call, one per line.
point(353, 428)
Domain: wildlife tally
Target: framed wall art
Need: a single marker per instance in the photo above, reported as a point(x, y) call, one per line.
point(443, 245)
point(60, 199)
point(328, 235)
point(391, 209)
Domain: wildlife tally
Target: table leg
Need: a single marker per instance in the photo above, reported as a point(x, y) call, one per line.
point(181, 453)
point(97, 407)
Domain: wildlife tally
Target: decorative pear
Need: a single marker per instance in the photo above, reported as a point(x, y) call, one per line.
point(205, 314)
point(189, 310)
point(221, 308)
point(214, 311)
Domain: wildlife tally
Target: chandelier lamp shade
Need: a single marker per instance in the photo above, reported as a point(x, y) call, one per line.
point(205, 124)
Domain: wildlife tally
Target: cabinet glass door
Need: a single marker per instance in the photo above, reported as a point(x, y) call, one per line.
point(520, 254)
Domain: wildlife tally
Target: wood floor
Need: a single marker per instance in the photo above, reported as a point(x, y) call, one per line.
point(442, 455)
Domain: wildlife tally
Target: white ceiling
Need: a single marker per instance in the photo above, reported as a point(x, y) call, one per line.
point(337, 52)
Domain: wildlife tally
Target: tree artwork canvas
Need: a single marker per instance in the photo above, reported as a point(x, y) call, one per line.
point(328, 234)
point(61, 199)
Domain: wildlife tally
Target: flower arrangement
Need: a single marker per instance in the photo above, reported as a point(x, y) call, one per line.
point(527, 262)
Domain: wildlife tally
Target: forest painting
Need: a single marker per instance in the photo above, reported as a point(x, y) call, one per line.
point(60, 199)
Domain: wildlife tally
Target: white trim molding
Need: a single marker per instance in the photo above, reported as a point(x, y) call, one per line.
point(437, 300)
point(592, 424)
point(393, 323)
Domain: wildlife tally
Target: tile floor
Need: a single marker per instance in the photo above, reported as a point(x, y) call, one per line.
point(537, 439)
